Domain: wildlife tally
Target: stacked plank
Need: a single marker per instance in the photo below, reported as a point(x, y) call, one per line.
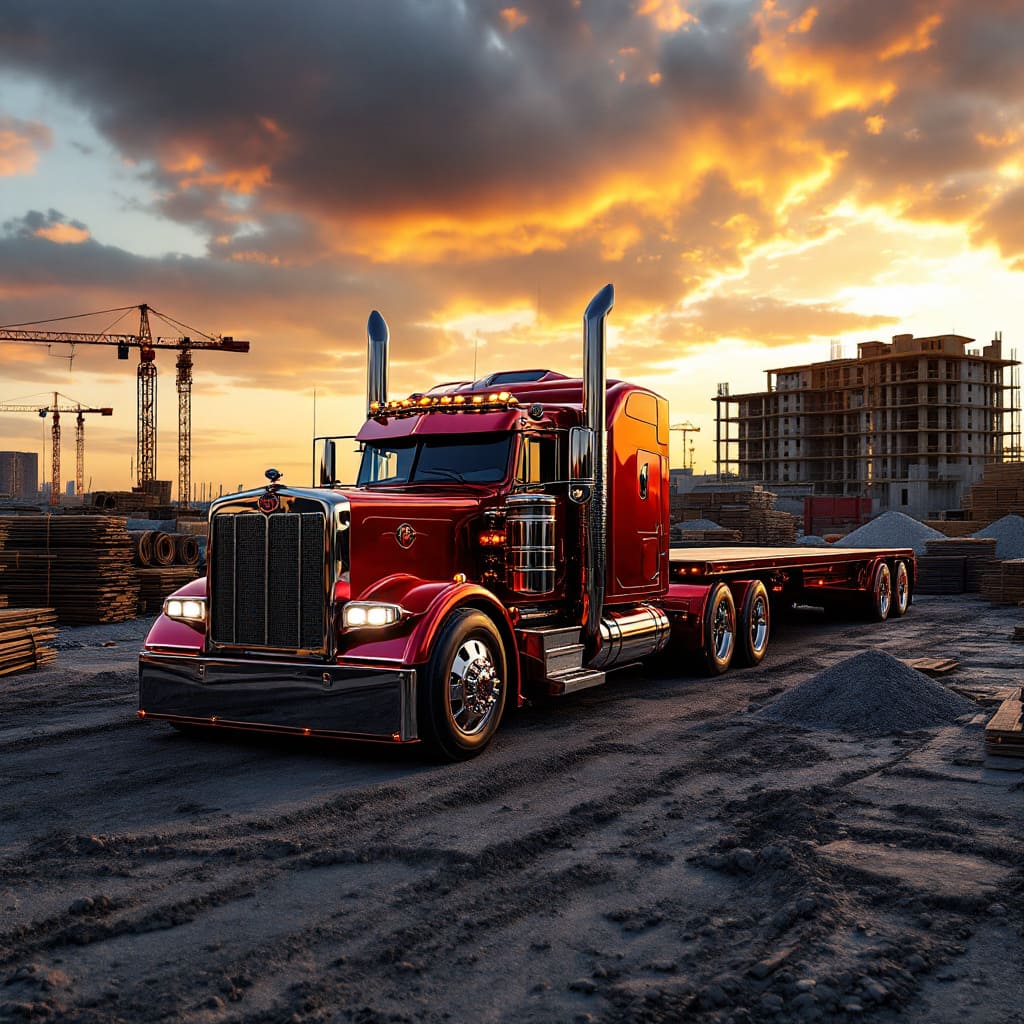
point(1017, 636)
point(954, 565)
point(24, 636)
point(156, 584)
point(1003, 582)
point(955, 527)
point(999, 493)
point(750, 513)
point(1004, 734)
point(79, 565)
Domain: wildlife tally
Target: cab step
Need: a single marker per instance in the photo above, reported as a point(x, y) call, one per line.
point(565, 683)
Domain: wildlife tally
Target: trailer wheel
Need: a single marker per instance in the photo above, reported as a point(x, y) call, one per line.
point(719, 630)
point(462, 694)
point(755, 625)
point(901, 589)
point(881, 593)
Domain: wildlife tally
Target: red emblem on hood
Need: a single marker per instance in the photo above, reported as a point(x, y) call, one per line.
point(405, 535)
point(268, 502)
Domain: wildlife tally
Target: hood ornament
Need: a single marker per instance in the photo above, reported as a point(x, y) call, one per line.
point(269, 501)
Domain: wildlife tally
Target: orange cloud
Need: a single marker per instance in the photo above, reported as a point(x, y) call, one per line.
point(667, 15)
point(918, 39)
point(20, 142)
point(63, 234)
point(513, 18)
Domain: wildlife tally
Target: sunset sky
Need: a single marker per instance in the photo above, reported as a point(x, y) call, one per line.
point(757, 179)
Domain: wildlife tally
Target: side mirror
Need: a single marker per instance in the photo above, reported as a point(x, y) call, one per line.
point(581, 464)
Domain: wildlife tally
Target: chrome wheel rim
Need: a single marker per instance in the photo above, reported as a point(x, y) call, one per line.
point(884, 590)
point(902, 587)
point(474, 688)
point(758, 624)
point(721, 631)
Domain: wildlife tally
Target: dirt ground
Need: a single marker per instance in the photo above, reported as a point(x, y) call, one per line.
point(650, 850)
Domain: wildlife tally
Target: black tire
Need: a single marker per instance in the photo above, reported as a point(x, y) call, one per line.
point(901, 596)
point(462, 692)
point(755, 620)
point(880, 597)
point(719, 630)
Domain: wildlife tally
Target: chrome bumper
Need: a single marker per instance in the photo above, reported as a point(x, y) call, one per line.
point(299, 698)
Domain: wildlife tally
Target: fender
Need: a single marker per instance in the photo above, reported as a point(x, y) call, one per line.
point(178, 636)
point(684, 604)
point(430, 602)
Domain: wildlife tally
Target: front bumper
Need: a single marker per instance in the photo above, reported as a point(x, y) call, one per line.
point(351, 702)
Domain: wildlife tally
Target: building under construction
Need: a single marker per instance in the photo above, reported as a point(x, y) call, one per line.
point(910, 424)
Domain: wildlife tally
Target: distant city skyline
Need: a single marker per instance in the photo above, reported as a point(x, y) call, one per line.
point(760, 181)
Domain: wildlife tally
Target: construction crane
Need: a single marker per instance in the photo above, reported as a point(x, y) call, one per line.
point(686, 428)
point(147, 345)
point(56, 408)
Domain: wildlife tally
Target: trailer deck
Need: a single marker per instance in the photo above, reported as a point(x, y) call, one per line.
point(722, 561)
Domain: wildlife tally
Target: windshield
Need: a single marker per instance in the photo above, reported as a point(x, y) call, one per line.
point(480, 459)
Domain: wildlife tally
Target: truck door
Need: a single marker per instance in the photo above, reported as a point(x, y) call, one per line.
point(639, 540)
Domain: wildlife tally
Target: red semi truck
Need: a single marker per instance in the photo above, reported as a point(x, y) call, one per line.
point(505, 538)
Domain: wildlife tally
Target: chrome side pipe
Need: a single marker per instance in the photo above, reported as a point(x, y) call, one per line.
point(594, 513)
point(377, 336)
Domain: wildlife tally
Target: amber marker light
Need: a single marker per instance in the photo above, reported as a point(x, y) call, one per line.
point(307, 732)
point(141, 713)
point(459, 577)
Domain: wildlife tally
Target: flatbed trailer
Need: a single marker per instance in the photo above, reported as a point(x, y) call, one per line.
point(725, 597)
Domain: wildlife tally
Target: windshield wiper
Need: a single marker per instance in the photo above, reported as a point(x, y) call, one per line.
point(452, 474)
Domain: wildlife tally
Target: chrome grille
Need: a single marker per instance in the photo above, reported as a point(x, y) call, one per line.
point(267, 580)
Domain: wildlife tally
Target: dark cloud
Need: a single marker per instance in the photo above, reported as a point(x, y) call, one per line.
point(34, 221)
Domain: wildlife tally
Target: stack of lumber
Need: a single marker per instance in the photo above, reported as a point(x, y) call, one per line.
point(79, 565)
point(1000, 492)
point(1003, 582)
point(954, 565)
point(125, 501)
point(940, 574)
point(750, 513)
point(24, 634)
point(1004, 734)
point(156, 584)
point(955, 527)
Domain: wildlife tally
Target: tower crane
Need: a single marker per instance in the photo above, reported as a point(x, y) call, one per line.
point(686, 428)
point(56, 408)
point(147, 345)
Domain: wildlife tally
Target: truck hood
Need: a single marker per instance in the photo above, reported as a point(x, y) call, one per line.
point(425, 534)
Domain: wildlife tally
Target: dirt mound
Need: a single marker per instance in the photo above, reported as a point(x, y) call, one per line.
point(871, 693)
point(890, 530)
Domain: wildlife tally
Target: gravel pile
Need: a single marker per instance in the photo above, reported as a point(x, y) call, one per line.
point(698, 524)
point(871, 693)
point(812, 540)
point(1009, 535)
point(890, 530)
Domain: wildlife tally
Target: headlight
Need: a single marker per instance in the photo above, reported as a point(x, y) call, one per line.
point(186, 609)
point(360, 614)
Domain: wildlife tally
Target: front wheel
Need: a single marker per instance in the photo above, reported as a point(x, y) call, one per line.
point(755, 625)
point(719, 630)
point(462, 694)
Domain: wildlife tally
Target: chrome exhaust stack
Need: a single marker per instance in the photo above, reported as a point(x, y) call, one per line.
point(594, 513)
point(377, 336)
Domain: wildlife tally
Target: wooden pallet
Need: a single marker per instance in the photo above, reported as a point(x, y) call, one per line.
point(1004, 734)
